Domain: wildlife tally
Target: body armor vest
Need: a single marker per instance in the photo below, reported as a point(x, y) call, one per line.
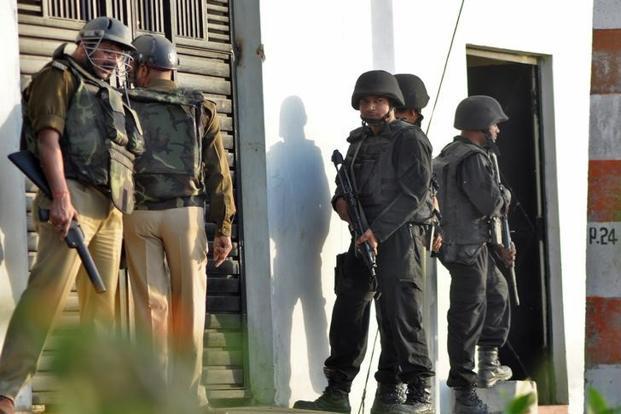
point(373, 164)
point(462, 223)
point(425, 214)
point(101, 137)
point(170, 170)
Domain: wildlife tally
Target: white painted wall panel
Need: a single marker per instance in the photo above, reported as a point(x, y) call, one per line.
point(605, 127)
point(607, 14)
point(13, 247)
point(606, 379)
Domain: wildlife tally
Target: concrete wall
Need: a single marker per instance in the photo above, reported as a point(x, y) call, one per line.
point(313, 53)
point(603, 317)
point(13, 248)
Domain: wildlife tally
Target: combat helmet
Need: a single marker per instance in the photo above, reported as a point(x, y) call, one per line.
point(414, 92)
point(155, 51)
point(106, 28)
point(478, 112)
point(377, 83)
point(101, 29)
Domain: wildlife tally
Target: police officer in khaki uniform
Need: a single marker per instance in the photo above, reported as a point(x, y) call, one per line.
point(390, 162)
point(79, 128)
point(470, 197)
point(183, 165)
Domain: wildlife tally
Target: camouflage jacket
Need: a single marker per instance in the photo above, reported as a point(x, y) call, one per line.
point(184, 160)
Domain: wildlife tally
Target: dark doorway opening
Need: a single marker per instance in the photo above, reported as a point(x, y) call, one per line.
point(516, 87)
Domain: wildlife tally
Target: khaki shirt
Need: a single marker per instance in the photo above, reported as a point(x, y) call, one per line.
point(217, 177)
point(50, 93)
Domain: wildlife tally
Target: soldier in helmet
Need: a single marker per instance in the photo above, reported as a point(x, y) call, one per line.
point(390, 162)
point(479, 312)
point(415, 98)
point(184, 164)
point(85, 138)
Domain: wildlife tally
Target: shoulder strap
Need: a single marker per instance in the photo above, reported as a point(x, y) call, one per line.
point(178, 96)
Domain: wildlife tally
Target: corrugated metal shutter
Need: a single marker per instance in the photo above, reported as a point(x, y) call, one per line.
point(201, 32)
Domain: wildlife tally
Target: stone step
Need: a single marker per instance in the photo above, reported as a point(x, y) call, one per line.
point(266, 410)
point(553, 409)
point(44, 401)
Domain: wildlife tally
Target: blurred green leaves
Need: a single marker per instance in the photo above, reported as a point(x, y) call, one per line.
point(521, 404)
point(105, 374)
point(598, 405)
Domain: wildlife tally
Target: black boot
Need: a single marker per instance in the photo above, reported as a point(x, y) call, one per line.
point(333, 399)
point(418, 400)
point(467, 402)
point(388, 398)
point(490, 369)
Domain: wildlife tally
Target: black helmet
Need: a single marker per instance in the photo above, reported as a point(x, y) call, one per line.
point(478, 112)
point(414, 91)
point(376, 83)
point(155, 51)
point(106, 28)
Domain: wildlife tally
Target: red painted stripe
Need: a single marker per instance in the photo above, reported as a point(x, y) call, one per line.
point(606, 63)
point(604, 200)
point(603, 331)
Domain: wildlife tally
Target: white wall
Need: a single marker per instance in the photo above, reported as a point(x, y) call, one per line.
point(314, 51)
point(13, 249)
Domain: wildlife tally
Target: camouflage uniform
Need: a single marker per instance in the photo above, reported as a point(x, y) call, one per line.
point(91, 118)
point(184, 161)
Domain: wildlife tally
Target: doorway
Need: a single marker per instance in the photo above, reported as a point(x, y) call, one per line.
point(514, 80)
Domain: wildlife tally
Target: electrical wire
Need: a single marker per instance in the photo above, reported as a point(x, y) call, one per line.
point(448, 55)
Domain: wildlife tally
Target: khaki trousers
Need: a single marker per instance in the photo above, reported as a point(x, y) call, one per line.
point(170, 301)
point(56, 269)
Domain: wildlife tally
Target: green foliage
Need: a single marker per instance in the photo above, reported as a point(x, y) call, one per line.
point(101, 374)
point(521, 404)
point(598, 405)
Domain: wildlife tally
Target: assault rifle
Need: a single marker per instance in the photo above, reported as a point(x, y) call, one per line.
point(29, 165)
point(358, 224)
point(506, 235)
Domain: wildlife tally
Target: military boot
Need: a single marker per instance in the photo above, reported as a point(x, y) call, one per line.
point(467, 402)
point(388, 398)
point(418, 400)
point(332, 399)
point(490, 369)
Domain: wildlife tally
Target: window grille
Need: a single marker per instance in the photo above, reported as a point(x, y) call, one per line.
point(190, 18)
point(150, 15)
point(73, 9)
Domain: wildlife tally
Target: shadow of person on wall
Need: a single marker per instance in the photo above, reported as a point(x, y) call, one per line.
point(299, 219)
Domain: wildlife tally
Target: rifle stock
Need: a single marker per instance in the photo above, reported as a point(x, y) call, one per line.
point(506, 236)
point(358, 223)
point(29, 165)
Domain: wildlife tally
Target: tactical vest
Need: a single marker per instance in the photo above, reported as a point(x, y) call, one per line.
point(462, 223)
point(372, 166)
point(425, 214)
point(169, 172)
point(101, 138)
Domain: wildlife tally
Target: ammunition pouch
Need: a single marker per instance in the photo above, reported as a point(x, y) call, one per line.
point(465, 254)
point(352, 277)
point(121, 177)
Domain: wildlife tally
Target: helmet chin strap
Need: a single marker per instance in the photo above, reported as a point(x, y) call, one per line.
point(376, 122)
point(490, 144)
